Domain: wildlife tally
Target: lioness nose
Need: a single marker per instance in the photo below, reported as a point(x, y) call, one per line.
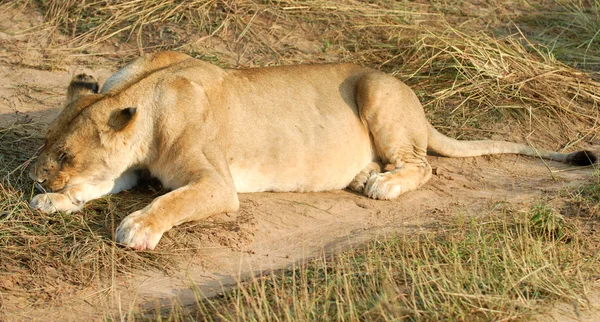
point(33, 174)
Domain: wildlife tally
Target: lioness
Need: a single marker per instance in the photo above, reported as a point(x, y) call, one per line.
point(208, 133)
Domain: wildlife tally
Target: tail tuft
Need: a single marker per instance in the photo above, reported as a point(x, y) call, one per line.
point(582, 158)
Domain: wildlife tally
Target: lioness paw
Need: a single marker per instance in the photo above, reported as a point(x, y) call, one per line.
point(135, 231)
point(53, 202)
point(360, 180)
point(382, 186)
point(358, 183)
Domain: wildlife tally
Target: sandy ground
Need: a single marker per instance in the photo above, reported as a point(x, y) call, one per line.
point(271, 230)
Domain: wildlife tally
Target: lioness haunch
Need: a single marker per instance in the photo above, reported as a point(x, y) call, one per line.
point(208, 133)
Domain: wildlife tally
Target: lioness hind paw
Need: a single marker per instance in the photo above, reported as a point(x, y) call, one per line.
point(357, 185)
point(360, 180)
point(380, 186)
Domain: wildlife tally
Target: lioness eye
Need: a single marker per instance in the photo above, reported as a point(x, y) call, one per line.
point(62, 156)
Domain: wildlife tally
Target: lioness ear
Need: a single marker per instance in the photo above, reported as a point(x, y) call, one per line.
point(119, 119)
point(81, 85)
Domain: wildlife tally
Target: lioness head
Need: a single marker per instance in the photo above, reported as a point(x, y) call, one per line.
point(87, 142)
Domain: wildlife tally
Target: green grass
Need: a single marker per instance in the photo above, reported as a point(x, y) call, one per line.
point(570, 31)
point(496, 267)
point(586, 199)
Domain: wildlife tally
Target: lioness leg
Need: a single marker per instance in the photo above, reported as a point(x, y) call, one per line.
point(196, 169)
point(395, 118)
point(207, 196)
point(73, 198)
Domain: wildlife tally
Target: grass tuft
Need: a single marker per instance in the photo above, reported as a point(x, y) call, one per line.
point(547, 222)
point(586, 199)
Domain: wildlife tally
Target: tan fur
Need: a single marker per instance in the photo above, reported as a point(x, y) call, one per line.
point(208, 133)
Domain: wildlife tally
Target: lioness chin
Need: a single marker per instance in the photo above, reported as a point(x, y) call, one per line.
point(209, 133)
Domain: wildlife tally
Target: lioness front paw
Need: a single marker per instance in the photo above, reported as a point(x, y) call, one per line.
point(138, 232)
point(53, 202)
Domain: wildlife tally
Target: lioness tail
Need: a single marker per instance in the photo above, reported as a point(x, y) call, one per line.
point(450, 147)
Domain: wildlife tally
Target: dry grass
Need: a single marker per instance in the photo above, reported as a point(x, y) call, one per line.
point(483, 78)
